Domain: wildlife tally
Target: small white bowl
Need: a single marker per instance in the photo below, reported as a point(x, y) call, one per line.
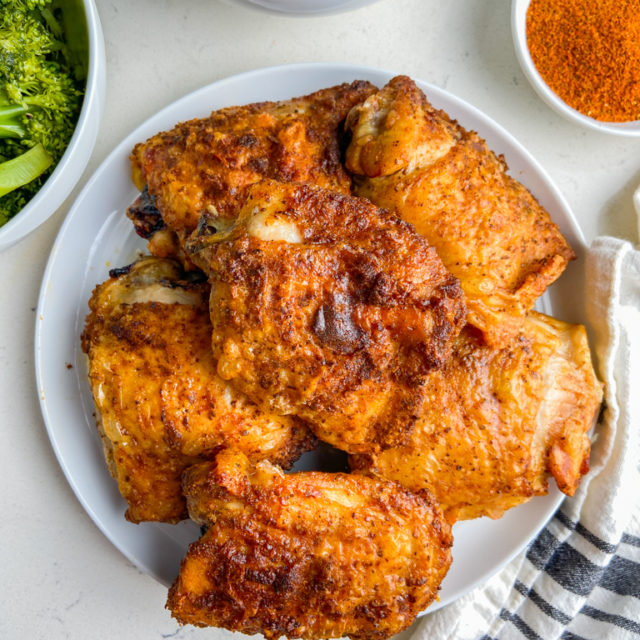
point(518, 29)
point(74, 160)
point(303, 7)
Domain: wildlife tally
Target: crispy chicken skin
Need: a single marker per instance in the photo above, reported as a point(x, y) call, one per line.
point(490, 232)
point(327, 307)
point(497, 422)
point(307, 555)
point(160, 404)
point(202, 166)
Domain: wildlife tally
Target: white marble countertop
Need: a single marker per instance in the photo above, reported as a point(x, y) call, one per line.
point(61, 577)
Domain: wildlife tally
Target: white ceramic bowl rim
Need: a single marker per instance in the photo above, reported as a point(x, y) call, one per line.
point(302, 8)
point(74, 160)
point(518, 29)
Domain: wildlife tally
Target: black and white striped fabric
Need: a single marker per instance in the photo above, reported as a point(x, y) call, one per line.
point(580, 578)
point(574, 585)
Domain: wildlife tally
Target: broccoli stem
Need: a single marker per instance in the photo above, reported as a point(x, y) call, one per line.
point(11, 121)
point(19, 171)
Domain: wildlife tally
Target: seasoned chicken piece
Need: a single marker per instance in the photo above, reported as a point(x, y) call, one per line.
point(307, 555)
point(496, 422)
point(490, 232)
point(202, 166)
point(160, 404)
point(327, 307)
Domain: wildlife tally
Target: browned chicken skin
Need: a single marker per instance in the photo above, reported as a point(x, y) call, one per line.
point(488, 229)
point(204, 165)
point(327, 307)
point(497, 422)
point(307, 555)
point(161, 406)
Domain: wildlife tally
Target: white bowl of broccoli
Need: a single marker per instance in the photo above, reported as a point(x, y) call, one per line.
point(52, 89)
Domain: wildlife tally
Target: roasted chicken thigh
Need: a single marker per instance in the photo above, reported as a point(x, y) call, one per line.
point(307, 555)
point(204, 165)
point(326, 307)
point(497, 422)
point(490, 232)
point(160, 404)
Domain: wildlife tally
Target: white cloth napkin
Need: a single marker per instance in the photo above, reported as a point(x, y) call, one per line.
point(580, 578)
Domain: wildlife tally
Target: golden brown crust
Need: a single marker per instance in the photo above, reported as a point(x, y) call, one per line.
point(307, 555)
point(329, 308)
point(497, 422)
point(204, 165)
point(160, 402)
point(489, 231)
point(397, 129)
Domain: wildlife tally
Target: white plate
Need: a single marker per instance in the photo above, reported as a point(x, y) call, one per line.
point(96, 236)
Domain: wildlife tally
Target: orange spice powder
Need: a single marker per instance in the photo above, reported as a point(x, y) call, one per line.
point(588, 52)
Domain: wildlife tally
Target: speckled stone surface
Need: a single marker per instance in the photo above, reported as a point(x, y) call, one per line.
point(61, 577)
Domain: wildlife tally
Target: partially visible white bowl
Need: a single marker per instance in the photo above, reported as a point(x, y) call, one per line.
point(70, 167)
point(519, 31)
point(303, 7)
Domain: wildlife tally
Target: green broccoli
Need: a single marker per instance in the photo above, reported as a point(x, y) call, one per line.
point(40, 99)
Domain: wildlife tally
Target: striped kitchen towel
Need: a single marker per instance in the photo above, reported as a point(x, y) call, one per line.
point(580, 578)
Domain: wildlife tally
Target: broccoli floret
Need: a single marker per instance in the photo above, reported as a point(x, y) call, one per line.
point(40, 98)
point(25, 5)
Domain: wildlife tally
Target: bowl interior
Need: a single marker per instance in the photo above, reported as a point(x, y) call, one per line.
point(74, 17)
point(518, 28)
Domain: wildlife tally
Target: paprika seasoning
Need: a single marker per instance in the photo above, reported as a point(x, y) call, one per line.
point(588, 53)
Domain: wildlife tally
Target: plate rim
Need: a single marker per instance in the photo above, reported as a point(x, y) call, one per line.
point(136, 133)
